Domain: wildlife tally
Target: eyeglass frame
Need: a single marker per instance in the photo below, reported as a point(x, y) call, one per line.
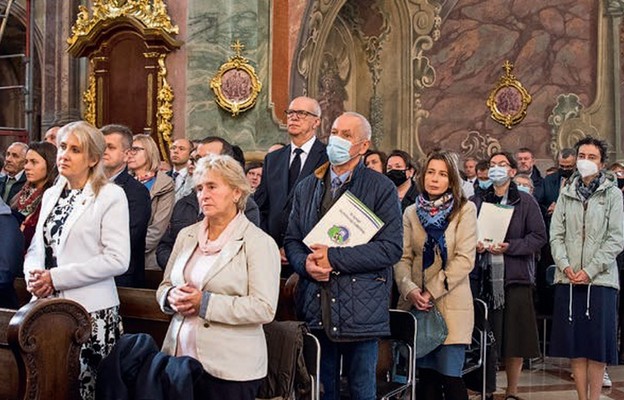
point(135, 149)
point(301, 114)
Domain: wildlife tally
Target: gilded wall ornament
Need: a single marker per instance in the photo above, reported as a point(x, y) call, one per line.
point(151, 13)
point(236, 85)
point(89, 100)
point(509, 100)
point(164, 112)
point(479, 146)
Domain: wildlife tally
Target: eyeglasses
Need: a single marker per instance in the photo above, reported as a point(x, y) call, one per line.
point(300, 114)
point(135, 149)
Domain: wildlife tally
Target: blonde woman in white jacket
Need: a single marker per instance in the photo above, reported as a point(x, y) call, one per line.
point(82, 242)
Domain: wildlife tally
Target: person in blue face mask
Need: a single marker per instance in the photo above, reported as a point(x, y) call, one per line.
point(332, 278)
point(483, 181)
point(507, 270)
point(524, 183)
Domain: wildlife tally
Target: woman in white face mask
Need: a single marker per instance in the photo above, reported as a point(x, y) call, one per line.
point(586, 235)
point(504, 275)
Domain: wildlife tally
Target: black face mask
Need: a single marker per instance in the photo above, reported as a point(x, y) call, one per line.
point(566, 173)
point(620, 183)
point(397, 176)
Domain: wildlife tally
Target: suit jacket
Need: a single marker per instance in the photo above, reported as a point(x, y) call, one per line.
point(140, 208)
point(94, 246)
point(550, 194)
point(17, 186)
point(244, 286)
point(272, 196)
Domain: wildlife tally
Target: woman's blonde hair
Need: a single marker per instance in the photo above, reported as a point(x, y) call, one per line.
point(92, 142)
point(229, 169)
point(151, 151)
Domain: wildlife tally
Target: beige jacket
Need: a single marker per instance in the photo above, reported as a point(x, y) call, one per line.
point(244, 285)
point(455, 304)
point(163, 199)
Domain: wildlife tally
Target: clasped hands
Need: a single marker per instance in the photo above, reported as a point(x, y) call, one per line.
point(579, 277)
point(317, 264)
point(185, 299)
point(421, 300)
point(496, 249)
point(40, 283)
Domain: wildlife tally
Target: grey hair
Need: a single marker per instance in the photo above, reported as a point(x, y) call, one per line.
point(365, 127)
point(23, 146)
point(524, 176)
point(229, 169)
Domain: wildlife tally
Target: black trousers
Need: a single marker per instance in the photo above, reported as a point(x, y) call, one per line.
point(217, 389)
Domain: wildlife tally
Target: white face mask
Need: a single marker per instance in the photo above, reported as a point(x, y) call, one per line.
point(586, 168)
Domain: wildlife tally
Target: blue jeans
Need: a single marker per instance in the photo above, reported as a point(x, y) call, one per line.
point(359, 365)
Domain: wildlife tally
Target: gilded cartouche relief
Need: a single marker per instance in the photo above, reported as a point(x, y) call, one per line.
point(552, 46)
point(212, 27)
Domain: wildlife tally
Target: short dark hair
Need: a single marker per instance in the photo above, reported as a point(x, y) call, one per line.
point(381, 154)
point(227, 147)
point(510, 158)
point(482, 165)
point(252, 165)
point(127, 137)
point(566, 153)
point(590, 140)
point(525, 150)
point(403, 155)
point(239, 155)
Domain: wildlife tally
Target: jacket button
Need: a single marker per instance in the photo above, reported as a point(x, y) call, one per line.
point(353, 279)
point(206, 325)
point(320, 322)
point(333, 300)
point(334, 329)
point(318, 295)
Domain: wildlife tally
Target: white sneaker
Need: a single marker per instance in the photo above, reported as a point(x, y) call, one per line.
point(606, 381)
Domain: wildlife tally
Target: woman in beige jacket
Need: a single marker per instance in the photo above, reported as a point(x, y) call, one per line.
point(439, 241)
point(222, 284)
point(143, 162)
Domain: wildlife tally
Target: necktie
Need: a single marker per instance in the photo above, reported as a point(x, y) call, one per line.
point(174, 175)
point(295, 168)
point(336, 183)
point(7, 188)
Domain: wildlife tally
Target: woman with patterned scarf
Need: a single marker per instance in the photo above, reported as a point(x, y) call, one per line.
point(586, 235)
point(40, 170)
point(440, 238)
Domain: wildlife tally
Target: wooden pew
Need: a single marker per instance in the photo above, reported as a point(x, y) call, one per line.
point(39, 349)
point(141, 313)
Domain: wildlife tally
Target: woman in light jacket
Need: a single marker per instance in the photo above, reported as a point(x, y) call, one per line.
point(222, 284)
point(439, 241)
point(82, 242)
point(586, 235)
point(143, 162)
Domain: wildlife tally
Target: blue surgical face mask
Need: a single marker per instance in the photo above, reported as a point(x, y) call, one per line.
point(338, 150)
point(498, 175)
point(524, 189)
point(485, 184)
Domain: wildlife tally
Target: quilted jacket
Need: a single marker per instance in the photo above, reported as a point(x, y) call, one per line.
point(361, 282)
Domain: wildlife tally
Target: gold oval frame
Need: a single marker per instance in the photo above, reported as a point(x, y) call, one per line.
point(231, 75)
point(509, 100)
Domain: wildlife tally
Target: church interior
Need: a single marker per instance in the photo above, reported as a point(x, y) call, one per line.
point(471, 76)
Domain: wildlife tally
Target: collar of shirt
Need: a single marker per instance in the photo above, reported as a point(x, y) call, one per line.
point(16, 176)
point(182, 173)
point(112, 178)
point(306, 147)
point(343, 177)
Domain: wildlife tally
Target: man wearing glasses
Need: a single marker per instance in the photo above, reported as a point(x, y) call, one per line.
point(286, 167)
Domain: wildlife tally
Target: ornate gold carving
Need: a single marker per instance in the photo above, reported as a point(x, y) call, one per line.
point(164, 112)
point(509, 100)
point(151, 13)
point(479, 146)
point(236, 85)
point(89, 100)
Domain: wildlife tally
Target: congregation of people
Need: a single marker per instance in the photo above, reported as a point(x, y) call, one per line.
point(88, 210)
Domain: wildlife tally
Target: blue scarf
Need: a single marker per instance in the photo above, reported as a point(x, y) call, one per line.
point(434, 217)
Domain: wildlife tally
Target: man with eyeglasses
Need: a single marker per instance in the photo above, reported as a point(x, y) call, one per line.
point(283, 169)
point(118, 143)
point(179, 152)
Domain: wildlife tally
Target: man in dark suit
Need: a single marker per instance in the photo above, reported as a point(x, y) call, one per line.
point(283, 169)
point(14, 178)
point(118, 142)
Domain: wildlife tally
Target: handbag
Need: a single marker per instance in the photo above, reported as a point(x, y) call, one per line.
point(431, 330)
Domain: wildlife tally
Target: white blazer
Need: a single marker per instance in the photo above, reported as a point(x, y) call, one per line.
point(94, 245)
point(244, 282)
